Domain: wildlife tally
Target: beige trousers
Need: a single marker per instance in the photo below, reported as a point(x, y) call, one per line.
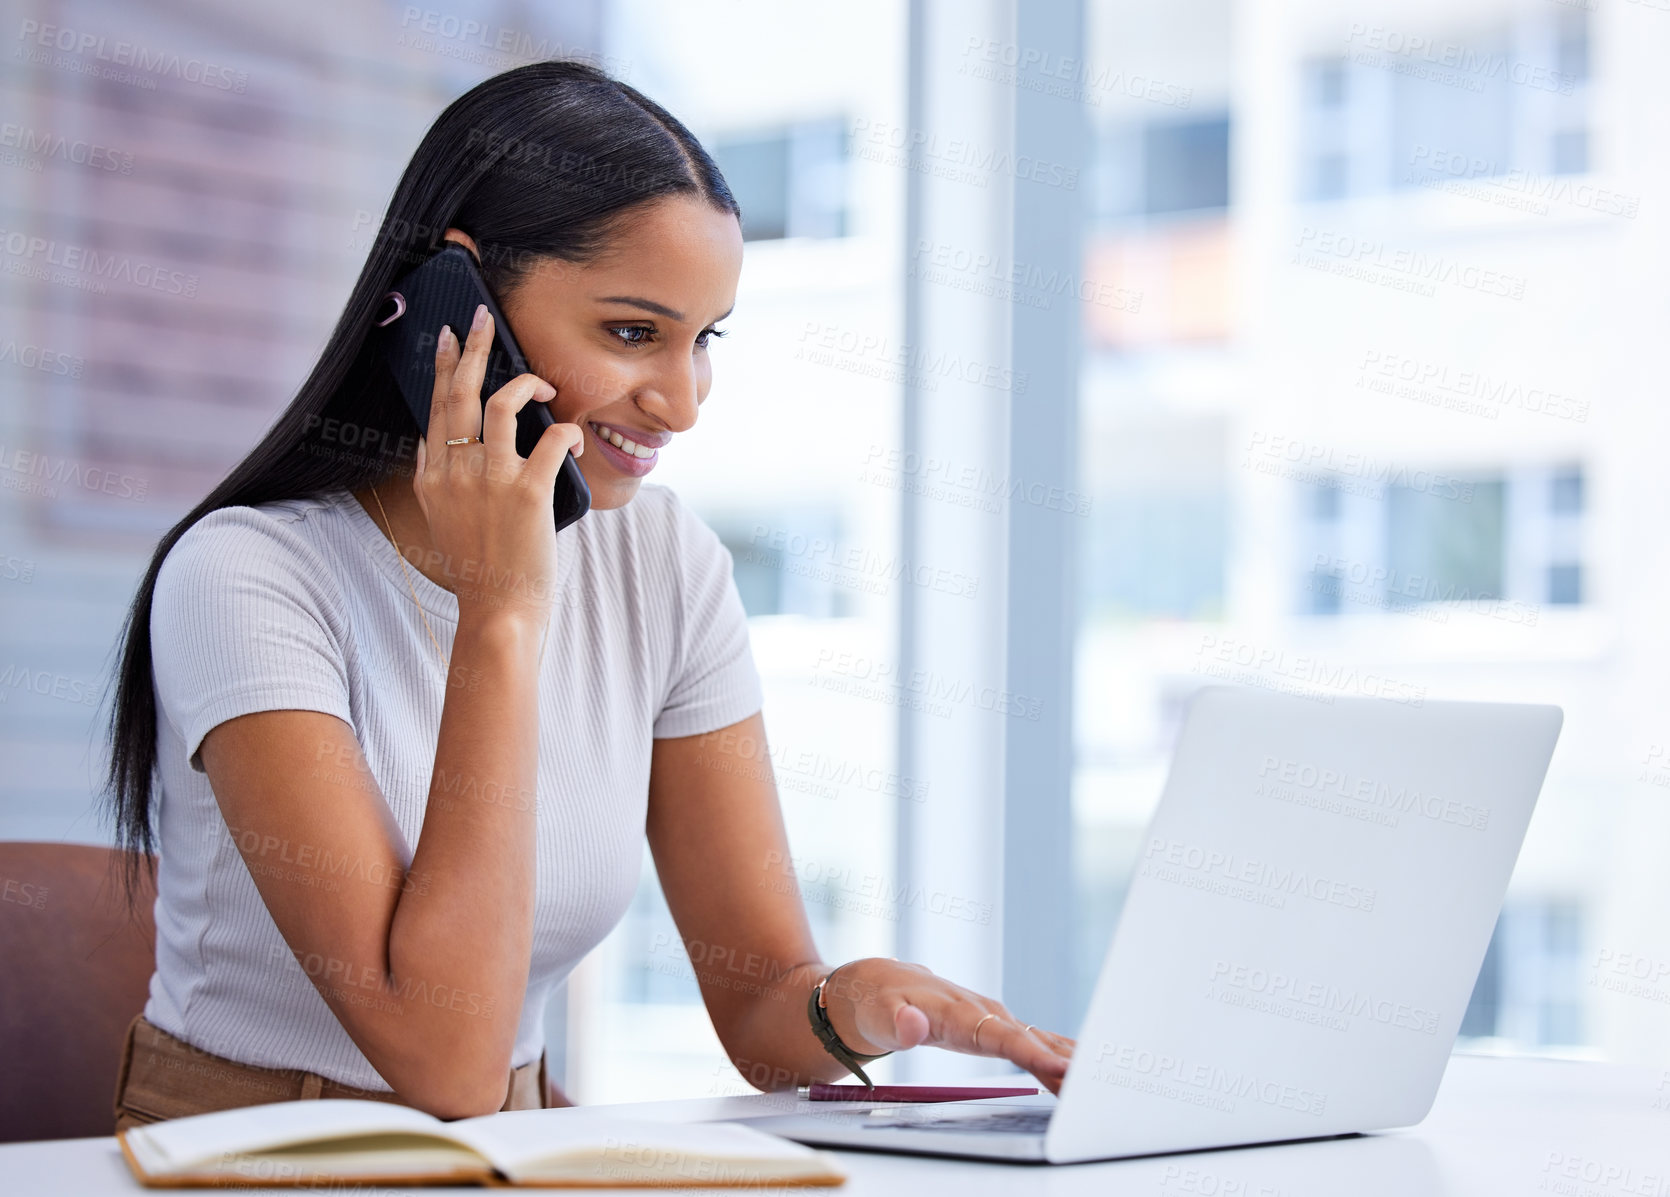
point(163, 1077)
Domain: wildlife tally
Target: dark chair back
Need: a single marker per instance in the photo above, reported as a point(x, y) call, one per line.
point(74, 970)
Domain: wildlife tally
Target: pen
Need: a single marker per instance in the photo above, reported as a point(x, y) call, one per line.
point(904, 1093)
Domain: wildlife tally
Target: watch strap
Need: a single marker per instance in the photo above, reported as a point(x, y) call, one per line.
point(818, 1015)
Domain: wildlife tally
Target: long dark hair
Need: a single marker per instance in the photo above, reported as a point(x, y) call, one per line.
point(543, 161)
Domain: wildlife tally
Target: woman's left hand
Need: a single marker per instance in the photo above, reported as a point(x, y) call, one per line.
point(878, 1005)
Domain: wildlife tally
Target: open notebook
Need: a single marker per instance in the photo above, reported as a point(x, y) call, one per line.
point(314, 1143)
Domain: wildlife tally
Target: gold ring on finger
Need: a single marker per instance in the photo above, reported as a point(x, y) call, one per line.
point(465, 440)
point(977, 1027)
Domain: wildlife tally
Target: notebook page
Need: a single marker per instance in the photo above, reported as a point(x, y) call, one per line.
point(516, 1141)
point(338, 1160)
point(182, 1143)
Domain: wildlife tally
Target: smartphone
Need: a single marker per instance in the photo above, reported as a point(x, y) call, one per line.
point(445, 290)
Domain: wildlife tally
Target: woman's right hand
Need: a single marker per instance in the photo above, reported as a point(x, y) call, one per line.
point(457, 922)
point(488, 508)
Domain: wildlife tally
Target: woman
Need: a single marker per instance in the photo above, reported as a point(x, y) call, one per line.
point(407, 738)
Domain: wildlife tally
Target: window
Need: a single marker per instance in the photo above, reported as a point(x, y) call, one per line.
point(1325, 591)
point(789, 562)
point(1530, 986)
point(1571, 43)
point(1330, 177)
point(1570, 152)
point(1565, 584)
point(1444, 544)
point(1186, 166)
point(758, 571)
point(1356, 574)
point(757, 168)
point(1160, 167)
point(811, 545)
point(1512, 538)
point(1158, 526)
point(1565, 504)
point(790, 182)
point(1382, 121)
point(1566, 492)
point(1327, 84)
point(1157, 552)
point(1326, 96)
point(1325, 505)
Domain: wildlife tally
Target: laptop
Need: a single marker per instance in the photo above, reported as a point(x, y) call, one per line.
point(1311, 906)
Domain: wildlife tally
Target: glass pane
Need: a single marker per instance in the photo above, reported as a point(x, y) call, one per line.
point(757, 168)
point(805, 502)
point(1350, 422)
point(1187, 165)
point(1566, 492)
point(1444, 546)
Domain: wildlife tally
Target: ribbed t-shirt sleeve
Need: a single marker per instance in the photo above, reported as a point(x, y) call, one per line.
point(713, 682)
point(243, 620)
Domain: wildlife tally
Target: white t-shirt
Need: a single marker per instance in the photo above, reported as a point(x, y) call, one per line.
point(302, 605)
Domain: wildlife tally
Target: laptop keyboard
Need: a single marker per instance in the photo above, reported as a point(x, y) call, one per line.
point(1015, 1120)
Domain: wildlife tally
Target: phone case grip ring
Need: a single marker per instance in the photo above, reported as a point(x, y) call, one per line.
point(399, 309)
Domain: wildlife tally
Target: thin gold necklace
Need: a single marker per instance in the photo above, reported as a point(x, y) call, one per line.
point(446, 662)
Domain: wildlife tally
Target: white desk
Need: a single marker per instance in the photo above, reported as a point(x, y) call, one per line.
point(1501, 1127)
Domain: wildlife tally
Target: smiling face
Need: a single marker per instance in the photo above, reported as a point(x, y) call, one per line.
point(624, 339)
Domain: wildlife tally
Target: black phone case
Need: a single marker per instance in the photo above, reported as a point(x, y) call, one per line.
point(445, 290)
